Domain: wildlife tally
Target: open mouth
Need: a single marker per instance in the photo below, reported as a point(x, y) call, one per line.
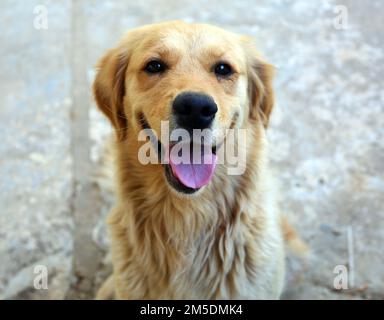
point(189, 171)
point(190, 166)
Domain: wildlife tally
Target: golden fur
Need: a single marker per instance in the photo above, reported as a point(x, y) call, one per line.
point(226, 241)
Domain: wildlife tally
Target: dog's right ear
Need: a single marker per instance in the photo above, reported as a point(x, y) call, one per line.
point(109, 88)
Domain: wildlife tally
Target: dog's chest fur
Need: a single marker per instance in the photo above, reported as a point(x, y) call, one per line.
point(219, 246)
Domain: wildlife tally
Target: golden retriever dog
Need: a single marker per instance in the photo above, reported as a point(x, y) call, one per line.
point(191, 231)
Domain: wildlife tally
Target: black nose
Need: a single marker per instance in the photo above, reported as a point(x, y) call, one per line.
point(194, 110)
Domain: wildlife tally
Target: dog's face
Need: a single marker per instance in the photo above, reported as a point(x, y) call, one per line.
point(194, 76)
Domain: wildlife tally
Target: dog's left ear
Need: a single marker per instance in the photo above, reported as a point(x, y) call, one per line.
point(260, 88)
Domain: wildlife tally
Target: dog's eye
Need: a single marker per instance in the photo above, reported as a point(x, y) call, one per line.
point(155, 66)
point(223, 69)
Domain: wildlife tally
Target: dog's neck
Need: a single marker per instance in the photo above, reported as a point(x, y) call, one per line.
point(170, 225)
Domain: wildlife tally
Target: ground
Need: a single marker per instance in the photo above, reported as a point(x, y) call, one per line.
point(326, 136)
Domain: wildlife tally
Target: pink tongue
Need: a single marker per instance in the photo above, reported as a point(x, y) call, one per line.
point(195, 175)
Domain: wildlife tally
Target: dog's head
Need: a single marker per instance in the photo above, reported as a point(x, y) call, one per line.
point(195, 76)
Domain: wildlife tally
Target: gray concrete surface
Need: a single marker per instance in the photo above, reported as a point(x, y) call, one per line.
point(327, 137)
